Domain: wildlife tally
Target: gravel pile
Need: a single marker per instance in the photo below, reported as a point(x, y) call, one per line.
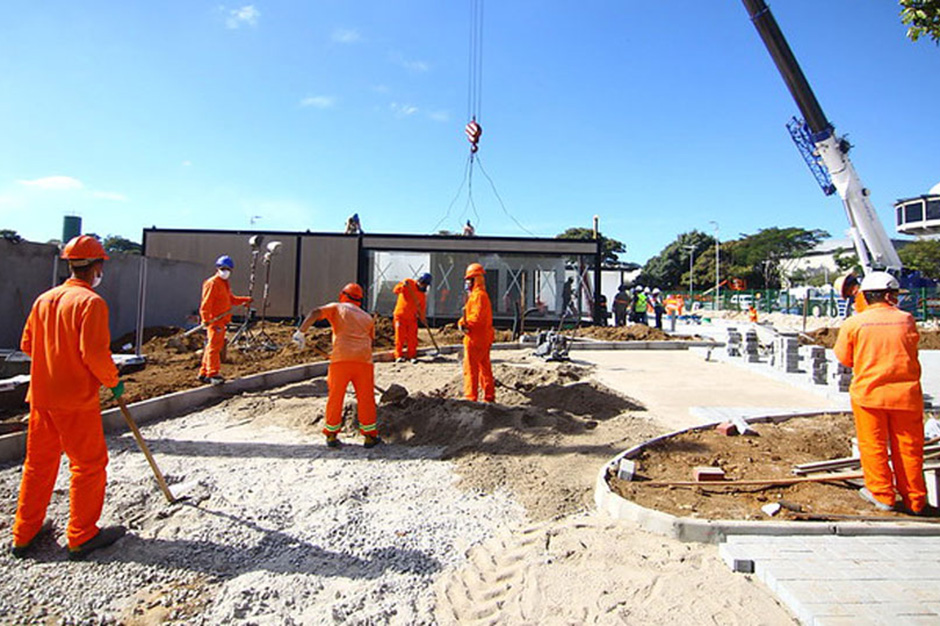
point(278, 529)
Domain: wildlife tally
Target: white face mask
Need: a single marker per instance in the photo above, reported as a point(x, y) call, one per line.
point(224, 274)
point(468, 284)
point(96, 280)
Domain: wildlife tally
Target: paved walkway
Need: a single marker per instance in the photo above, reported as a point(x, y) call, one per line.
point(889, 578)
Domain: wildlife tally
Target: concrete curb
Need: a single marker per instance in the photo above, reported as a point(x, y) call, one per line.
point(715, 531)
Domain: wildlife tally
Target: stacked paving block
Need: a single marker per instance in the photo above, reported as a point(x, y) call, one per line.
point(733, 345)
point(751, 347)
point(815, 356)
point(787, 352)
point(841, 376)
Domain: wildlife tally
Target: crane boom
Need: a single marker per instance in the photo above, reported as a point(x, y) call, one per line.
point(874, 247)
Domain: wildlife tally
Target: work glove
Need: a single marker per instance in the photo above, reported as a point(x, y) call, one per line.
point(118, 390)
point(299, 340)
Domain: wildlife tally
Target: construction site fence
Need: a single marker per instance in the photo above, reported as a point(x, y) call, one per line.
point(923, 303)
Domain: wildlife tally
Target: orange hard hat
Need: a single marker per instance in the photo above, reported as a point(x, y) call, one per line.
point(351, 293)
point(84, 248)
point(474, 269)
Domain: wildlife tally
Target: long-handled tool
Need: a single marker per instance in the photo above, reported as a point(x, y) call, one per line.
point(176, 342)
point(437, 348)
point(244, 337)
point(146, 450)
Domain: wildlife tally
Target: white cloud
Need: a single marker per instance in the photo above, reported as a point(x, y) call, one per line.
point(411, 66)
point(53, 182)
point(247, 15)
point(403, 110)
point(109, 195)
point(346, 35)
point(439, 116)
point(318, 102)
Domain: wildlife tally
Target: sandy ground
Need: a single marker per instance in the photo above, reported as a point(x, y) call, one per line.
point(471, 513)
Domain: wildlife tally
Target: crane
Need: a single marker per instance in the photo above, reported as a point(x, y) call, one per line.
point(825, 152)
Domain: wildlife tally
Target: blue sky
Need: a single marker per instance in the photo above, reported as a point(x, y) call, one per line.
point(659, 117)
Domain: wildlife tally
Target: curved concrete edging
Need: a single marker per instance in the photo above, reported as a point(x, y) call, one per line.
point(715, 531)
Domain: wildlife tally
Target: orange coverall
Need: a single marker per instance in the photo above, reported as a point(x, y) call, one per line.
point(478, 320)
point(217, 298)
point(409, 307)
point(859, 303)
point(67, 338)
point(350, 361)
point(880, 345)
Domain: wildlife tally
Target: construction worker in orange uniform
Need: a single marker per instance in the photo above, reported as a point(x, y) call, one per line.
point(350, 362)
point(880, 345)
point(216, 312)
point(410, 307)
point(477, 326)
point(68, 341)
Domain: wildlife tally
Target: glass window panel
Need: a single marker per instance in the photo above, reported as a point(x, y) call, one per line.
point(914, 212)
point(933, 209)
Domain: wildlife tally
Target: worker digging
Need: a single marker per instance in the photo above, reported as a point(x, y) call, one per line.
point(67, 338)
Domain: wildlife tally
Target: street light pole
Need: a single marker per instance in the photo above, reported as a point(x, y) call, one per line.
point(717, 263)
point(691, 249)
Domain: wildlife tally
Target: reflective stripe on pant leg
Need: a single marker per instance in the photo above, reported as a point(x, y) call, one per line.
point(82, 439)
point(486, 374)
point(363, 380)
point(871, 428)
point(337, 379)
point(471, 371)
point(40, 469)
point(399, 338)
point(907, 457)
point(212, 358)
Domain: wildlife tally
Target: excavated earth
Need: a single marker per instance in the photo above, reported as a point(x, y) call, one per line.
point(770, 453)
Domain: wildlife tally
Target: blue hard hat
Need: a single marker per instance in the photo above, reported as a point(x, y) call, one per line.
point(425, 278)
point(225, 261)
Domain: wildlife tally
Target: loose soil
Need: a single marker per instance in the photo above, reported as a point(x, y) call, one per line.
point(770, 454)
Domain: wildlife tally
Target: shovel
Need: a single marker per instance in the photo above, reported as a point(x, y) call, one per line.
point(146, 450)
point(177, 342)
point(437, 348)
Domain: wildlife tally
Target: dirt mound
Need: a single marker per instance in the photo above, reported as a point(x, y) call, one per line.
point(929, 339)
point(544, 402)
point(770, 455)
point(635, 332)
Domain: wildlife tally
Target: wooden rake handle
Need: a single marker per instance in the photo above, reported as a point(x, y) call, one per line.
point(146, 450)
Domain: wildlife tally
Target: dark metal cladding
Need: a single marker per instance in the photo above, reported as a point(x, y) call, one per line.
point(788, 67)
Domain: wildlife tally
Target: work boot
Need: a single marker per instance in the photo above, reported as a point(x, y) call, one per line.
point(105, 537)
point(400, 359)
point(216, 380)
point(332, 441)
point(203, 379)
point(22, 551)
point(867, 496)
point(371, 441)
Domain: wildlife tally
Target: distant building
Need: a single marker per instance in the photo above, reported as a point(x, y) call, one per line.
point(920, 215)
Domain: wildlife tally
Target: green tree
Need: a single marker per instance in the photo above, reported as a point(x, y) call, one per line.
point(762, 254)
point(922, 18)
point(116, 243)
point(610, 248)
point(670, 268)
point(922, 255)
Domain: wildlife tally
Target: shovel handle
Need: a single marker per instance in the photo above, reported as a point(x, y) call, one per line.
point(207, 324)
point(146, 450)
point(430, 334)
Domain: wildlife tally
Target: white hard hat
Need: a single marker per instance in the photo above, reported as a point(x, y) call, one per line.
point(646, 289)
point(880, 281)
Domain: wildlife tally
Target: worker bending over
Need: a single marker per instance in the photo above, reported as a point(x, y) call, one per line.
point(410, 307)
point(880, 345)
point(350, 362)
point(216, 312)
point(67, 339)
point(477, 327)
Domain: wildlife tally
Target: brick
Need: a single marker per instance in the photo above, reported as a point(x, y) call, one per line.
point(727, 429)
point(707, 473)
